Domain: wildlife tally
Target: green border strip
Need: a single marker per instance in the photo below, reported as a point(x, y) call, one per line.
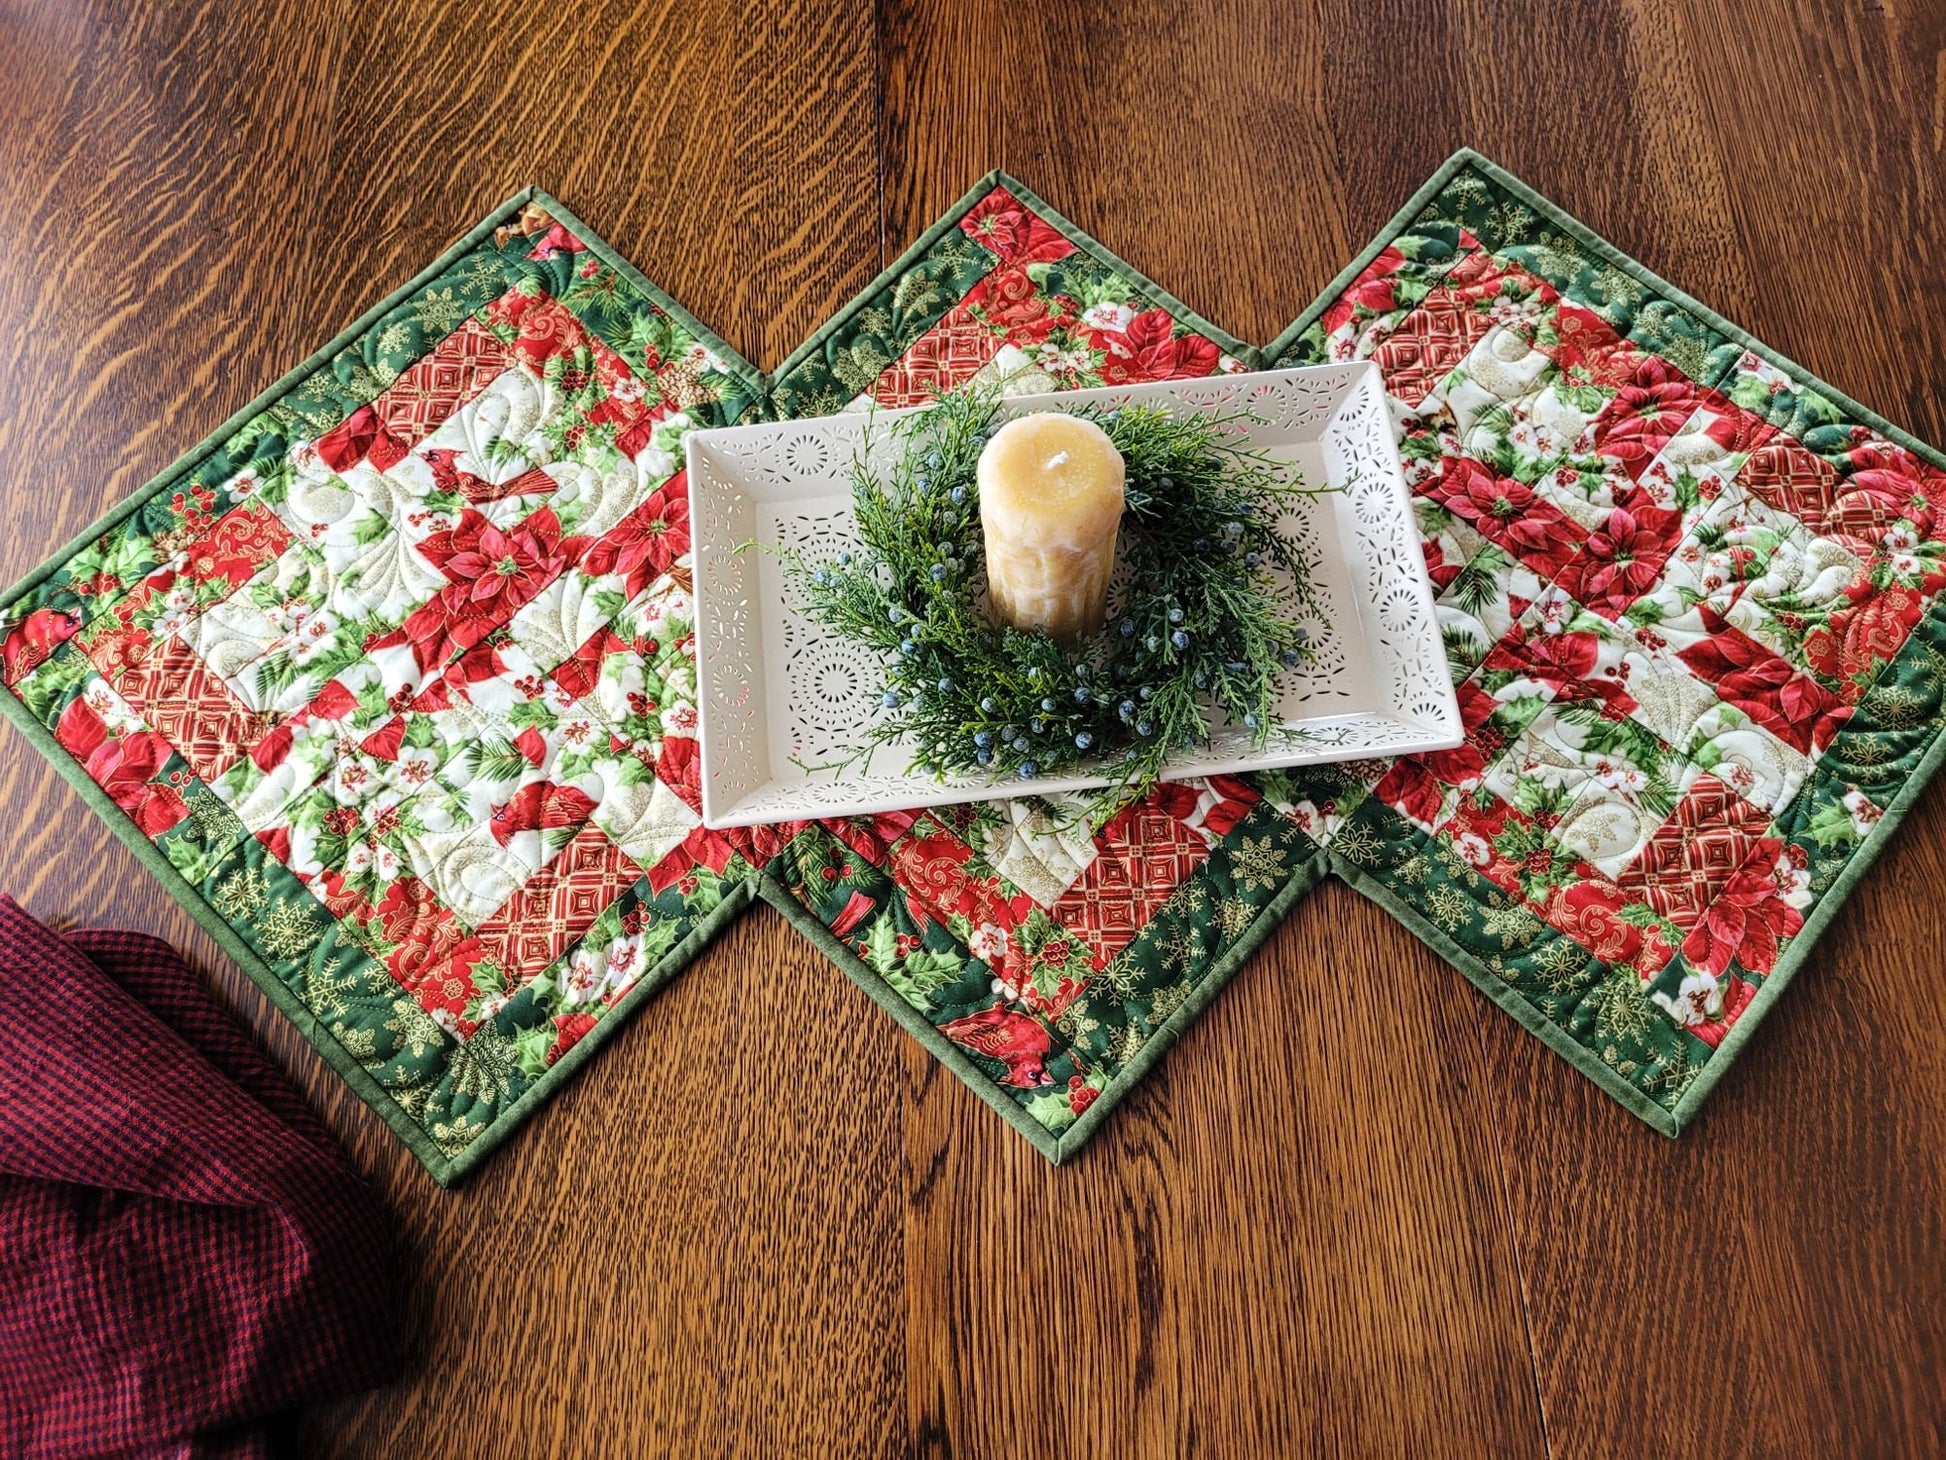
point(910, 1019)
point(886, 276)
point(1509, 998)
point(1057, 1148)
point(1268, 921)
point(1079, 237)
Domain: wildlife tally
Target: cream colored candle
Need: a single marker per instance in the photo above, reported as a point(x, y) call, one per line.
point(1050, 502)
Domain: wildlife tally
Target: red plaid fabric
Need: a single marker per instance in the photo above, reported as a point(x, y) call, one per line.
point(183, 1251)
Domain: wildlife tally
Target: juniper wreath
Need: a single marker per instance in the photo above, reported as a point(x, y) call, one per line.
point(1203, 617)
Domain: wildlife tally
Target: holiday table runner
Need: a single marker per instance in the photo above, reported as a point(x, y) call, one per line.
point(391, 680)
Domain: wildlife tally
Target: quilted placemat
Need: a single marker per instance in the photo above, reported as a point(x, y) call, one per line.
point(391, 680)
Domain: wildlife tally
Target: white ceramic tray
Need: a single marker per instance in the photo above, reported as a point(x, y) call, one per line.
point(778, 692)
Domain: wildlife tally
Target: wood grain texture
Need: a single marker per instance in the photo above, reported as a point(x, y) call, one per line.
point(1358, 1210)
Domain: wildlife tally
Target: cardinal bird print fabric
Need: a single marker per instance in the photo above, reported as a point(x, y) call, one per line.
point(392, 680)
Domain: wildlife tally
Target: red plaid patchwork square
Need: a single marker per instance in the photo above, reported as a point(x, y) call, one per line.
point(1142, 856)
point(428, 392)
point(1696, 851)
point(1428, 343)
point(558, 904)
point(191, 707)
point(1784, 475)
point(952, 351)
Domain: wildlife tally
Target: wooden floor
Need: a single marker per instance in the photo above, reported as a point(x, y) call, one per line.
point(1358, 1210)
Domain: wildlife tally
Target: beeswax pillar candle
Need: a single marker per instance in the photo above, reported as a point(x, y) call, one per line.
point(1050, 504)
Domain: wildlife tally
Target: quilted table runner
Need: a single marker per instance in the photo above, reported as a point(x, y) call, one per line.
point(391, 680)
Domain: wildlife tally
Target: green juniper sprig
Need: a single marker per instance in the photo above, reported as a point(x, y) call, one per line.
point(1203, 625)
